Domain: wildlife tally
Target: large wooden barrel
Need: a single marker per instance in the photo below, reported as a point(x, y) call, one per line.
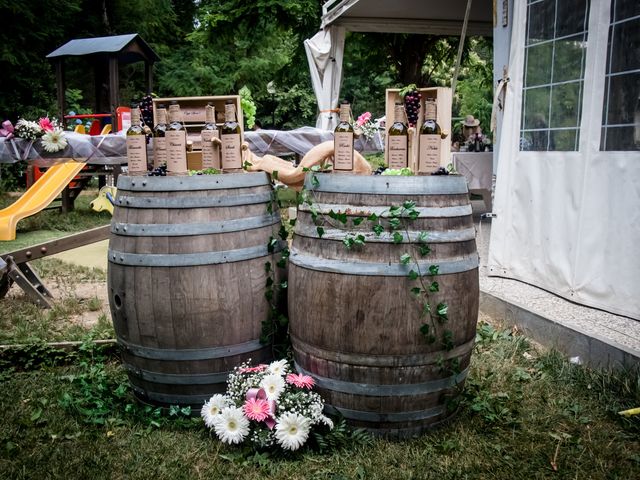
point(187, 280)
point(354, 322)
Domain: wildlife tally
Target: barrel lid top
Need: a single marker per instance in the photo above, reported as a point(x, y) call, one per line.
point(195, 182)
point(388, 185)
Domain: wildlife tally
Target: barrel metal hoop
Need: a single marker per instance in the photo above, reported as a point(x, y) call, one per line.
point(211, 353)
point(189, 229)
point(171, 399)
point(190, 259)
point(129, 201)
point(385, 417)
point(388, 361)
point(190, 183)
point(450, 236)
point(328, 265)
point(383, 211)
point(381, 185)
point(396, 390)
point(177, 378)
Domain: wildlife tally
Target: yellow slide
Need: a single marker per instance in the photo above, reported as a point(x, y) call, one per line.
point(41, 194)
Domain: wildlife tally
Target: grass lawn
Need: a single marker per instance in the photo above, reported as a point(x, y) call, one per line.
point(526, 414)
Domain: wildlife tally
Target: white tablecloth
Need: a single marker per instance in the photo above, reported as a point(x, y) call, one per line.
point(477, 168)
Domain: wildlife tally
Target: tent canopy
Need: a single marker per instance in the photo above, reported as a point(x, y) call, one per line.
point(409, 16)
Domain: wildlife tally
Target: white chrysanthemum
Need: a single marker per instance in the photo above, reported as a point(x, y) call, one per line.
point(212, 409)
point(273, 386)
point(292, 430)
point(54, 141)
point(279, 367)
point(232, 426)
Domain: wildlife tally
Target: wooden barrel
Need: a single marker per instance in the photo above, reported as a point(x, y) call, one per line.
point(354, 322)
point(187, 279)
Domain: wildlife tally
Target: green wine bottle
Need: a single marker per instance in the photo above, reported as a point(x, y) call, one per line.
point(343, 140)
point(430, 139)
point(231, 157)
point(398, 140)
point(136, 144)
point(159, 138)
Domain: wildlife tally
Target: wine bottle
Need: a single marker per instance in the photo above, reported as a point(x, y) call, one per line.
point(430, 139)
point(231, 157)
point(136, 144)
point(398, 139)
point(343, 140)
point(159, 138)
point(210, 152)
point(176, 136)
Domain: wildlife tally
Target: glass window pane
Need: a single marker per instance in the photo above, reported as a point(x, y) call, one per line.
point(534, 141)
point(621, 138)
point(563, 140)
point(625, 51)
point(536, 114)
point(568, 59)
point(571, 17)
point(626, 9)
point(540, 22)
point(565, 105)
point(539, 64)
point(623, 98)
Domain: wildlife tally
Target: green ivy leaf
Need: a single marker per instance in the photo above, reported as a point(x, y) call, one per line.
point(292, 222)
point(416, 291)
point(408, 204)
point(373, 217)
point(274, 174)
point(424, 250)
point(267, 267)
point(433, 269)
point(413, 214)
point(394, 223)
point(269, 281)
point(442, 310)
point(357, 221)
point(282, 233)
point(434, 287)
point(359, 240)
point(422, 237)
point(315, 183)
point(378, 229)
point(426, 308)
point(282, 263)
point(405, 258)
point(413, 275)
point(395, 211)
point(284, 285)
point(316, 168)
point(424, 329)
point(320, 231)
point(397, 237)
point(348, 242)
point(272, 244)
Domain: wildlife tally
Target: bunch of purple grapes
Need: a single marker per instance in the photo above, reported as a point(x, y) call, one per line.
point(412, 106)
point(146, 108)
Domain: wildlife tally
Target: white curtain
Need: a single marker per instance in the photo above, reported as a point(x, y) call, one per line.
point(568, 222)
point(324, 53)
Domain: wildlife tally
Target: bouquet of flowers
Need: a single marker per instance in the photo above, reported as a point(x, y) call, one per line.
point(364, 126)
point(47, 130)
point(266, 405)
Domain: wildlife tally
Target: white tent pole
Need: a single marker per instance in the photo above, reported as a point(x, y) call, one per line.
point(463, 34)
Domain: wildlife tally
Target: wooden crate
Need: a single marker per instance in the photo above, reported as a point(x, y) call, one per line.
point(442, 95)
point(193, 113)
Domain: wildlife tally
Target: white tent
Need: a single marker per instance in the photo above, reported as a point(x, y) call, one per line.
point(568, 178)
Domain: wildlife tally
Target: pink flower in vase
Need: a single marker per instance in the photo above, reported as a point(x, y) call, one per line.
point(364, 118)
point(301, 381)
point(46, 124)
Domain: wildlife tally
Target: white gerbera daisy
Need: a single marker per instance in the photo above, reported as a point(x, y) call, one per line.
point(279, 367)
point(292, 430)
point(232, 426)
point(211, 409)
point(273, 385)
point(54, 141)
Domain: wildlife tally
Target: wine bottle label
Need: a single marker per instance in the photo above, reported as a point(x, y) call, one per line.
point(137, 154)
point(159, 151)
point(398, 114)
point(430, 110)
point(210, 152)
point(231, 157)
point(229, 112)
point(397, 151)
point(176, 151)
point(345, 112)
point(429, 153)
point(343, 151)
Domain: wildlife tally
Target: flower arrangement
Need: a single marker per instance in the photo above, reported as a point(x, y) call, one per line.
point(364, 126)
point(266, 405)
point(47, 130)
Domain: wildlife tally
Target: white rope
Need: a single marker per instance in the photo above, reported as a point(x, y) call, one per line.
point(463, 34)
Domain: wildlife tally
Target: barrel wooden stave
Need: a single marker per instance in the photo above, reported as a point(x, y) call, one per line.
point(364, 330)
point(205, 318)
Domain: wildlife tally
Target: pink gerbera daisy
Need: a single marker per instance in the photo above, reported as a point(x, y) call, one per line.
point(256, 409)
point(302, 381)
point(46, 124)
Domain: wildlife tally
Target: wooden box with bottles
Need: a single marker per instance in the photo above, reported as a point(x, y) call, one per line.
point(442, 96)
point(193, 113)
